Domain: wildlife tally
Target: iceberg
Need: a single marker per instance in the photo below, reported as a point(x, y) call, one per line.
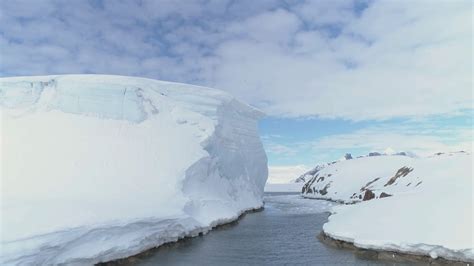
point(97, 167)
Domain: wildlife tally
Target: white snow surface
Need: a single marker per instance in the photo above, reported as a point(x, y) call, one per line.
point(347, 181)
point(429, 212)
point(97, 167)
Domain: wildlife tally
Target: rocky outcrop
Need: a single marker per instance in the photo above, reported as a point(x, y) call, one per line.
point(361, 179)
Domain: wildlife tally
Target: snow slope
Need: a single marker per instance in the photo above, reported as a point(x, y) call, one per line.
point(97, 167)
point(354, 180)
point(419, 206)
point(309, 174)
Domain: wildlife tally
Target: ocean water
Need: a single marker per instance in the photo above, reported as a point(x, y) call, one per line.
point(284, 233)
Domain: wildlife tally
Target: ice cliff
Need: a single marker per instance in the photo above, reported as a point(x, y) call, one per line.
point(96, 168)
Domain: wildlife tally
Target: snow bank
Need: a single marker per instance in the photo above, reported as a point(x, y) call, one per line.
point(426, 208)
point(96, 167)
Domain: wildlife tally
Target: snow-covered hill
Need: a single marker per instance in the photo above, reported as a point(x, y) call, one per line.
point(97, 167)
point(420, 206)
point(311, 173)
point(361, 179)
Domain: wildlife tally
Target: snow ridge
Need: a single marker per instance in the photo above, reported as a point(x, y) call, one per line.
point(388, 152)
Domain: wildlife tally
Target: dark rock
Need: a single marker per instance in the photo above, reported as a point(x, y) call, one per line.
point(367, 254)
point(324, 191)
point(368, 184)
point(307, 185)
point(368, 195)
point(402, 172)
point(348, 156)
point(384, 195)
point(374, 154)
point(310, 173)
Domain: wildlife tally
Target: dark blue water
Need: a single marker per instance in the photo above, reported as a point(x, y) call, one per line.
point(285, 233)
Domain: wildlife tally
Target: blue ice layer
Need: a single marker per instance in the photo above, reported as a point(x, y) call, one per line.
point(20, 94)
point(102, 100)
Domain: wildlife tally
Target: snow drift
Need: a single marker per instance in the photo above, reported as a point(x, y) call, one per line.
point(96, 168)
point(420, 206)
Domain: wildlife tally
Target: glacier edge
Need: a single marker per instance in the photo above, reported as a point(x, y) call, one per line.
point(225, 131)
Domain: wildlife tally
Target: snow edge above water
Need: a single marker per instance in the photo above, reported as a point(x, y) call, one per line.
point(419, 249)
point(433, 219)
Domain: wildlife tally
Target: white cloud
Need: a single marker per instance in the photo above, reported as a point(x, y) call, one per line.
point(273, 26)
point(421, 142)
point(285, 174)
point(312, 58)
point(280, 149)
point(411, 62)
point(327, 12)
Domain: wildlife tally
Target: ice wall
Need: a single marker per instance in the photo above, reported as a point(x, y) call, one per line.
point(99, 167)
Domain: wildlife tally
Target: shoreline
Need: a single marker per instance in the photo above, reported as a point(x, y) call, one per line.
point(364, 253)
point(379, 254)
point(148, 252)
point(331, 200)
point(386, 255)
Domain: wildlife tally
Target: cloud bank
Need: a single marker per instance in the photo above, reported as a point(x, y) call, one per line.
point(348, 59)
point(285, 174)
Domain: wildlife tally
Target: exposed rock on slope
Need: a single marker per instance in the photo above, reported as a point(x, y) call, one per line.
point(360, 179)
point(389, 152)
point(311, 173)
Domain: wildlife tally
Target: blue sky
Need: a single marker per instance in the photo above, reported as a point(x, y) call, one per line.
point(333, 76)
point(311, 141)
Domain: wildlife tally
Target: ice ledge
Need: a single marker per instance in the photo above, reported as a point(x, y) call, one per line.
point(417, 249)
point(109, 96)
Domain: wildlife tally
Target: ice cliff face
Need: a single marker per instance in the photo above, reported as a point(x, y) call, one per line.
point(96, 168)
